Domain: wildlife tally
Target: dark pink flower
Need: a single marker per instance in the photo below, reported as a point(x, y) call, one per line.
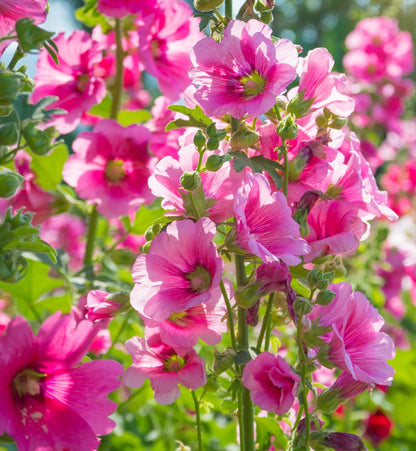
point(356, 345)
point(181, 270)
point(110, 167)
point(101, 306)
point(272, 383)
point(165, 369)
point(242, 74)
point(379, 427)
point(48, 400)
point(73, 80)
point(264, 223)
point(166, 36)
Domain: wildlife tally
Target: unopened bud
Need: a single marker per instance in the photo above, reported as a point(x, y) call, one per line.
point(10, 84)
point(152, 231)
point(206, 5)
point(298, 106)
point(338, 123)
point(243, 138)
point(9, 182)
point(190, 180)
point(214, 162)
point(325, 297)
point(213, 143)
point(287, 128)
point(39, 141)
point(8, 134)
point(321, 121)
point(199, 139)
point(302, 305)
point(248, 295)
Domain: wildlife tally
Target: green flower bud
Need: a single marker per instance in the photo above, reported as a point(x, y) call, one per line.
point(146, 247)
point(302, 306)
point(213, 143)
point(313, 277)
point(337, 123)
point(190, 180)
point(199, 140)
point(10, 84)
point(39, 141)
point(244, 138)
point(152, 231)
point(325, 297)
point(206, 5)
point(212, 130)
point(8, 134)
point(9, 182)
point(328, 400)
point(248, 295)
point(223, 360)
point(321, 121)
point(287, 128)
point(298, 106)
point(266, 17)
point(214, 162)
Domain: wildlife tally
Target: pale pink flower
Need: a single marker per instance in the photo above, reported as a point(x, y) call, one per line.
point(264, 223)
point(110, 167)
point(166, 36)
point(242, 74)
point(66, 231)
point(120, 8)
point(48, 400)
point(181, 270)
point(356, 343)
point(182, 330)
point(165, 369)
point(318, 82)
point(272, 383)
point(219, 187)
point(73, 80)
point(13, 10)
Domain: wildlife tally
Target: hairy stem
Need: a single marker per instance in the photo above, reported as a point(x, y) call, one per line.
point(302, 358)
point(198, 421)
point(266, 321)
point(118, 81)
point(92, 231)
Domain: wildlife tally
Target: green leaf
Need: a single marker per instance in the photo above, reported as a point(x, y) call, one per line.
point(89, 15)
point(32, 287)
point(145, 217)
point(196, 116)
point(103, 109)
point(49, 167)
point(34, 113)
point(129, 117)
point(267, 428)
point(9, 182)
point(257, 164)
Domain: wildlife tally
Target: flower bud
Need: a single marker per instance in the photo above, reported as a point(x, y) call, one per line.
point(302, 305)
point(206, 5)
point(8, 134)
point(344, 441)
point(10, 84)
point(329, 400)
point(213, 143)
point(152, 231)
point(248, 295)
point(199, 139)
point(337, 123)
point(321, 121)
point(214, 162)
point(243, 138)
point(298, 106)
point(190, 180)
point(266, 17)
point(39, 141)
point(325, 297)
point(287, 128)
point(212, 130)
point(223, 360)
point(9, 182)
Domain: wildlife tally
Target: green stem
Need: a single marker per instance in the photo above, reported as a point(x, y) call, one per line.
point(118, 81)
point(302, 358)
point(120, 331)
point(247, 406)
point(92, 231)
point(266, 321)
point(229, 8)
point(198, 420)
point(18, 55)
point(230, 315)
point(286, 167)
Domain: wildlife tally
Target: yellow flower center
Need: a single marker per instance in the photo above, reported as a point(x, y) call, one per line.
point(174, 363)
point(253, 84)
point(114, 171)
point(27, 382)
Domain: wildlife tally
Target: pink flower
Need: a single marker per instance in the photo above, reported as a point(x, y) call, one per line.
point(120, 8)
point(166, 36)
point(66, 231)
point(101, 306)
point(264, 223)
point(4, 317)
point(357, 346)
point(219, 187)
point(47, 399)
point(110, 167)
point(165, 369)
point(242, 74)
point(182, 270)
point(73, 80)
point(182, 330)
point(13, 10)
point(101, 343)
point(272, 383)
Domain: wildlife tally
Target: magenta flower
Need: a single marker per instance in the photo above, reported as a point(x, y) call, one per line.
point(272, 383)
point(357, 345)
point(166, 36)
point(264, 223)
point(182, 330)
point(110, 167)
point(47, 399)
point(73, 80)
point(100, 306)
point(219, 187)
point(165, 369)
point(120, 8)
point(242, 74)
point(182, 270)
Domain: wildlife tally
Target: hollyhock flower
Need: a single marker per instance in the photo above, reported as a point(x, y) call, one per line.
point(219, 187)
point(73, 80)
point(101, 305)
point(30, 195)
point(318, 82)
point(343, 441)
point(272, 383)
point(110, 167)
point(264, 223)
point(242, 74)
point(120, 8)
point(4, 317)
point(165, 369)
point(379, 427)
point(181, 270)
point(101, 343)
point(48, 400)
point(66, 231)
point(166, 36)
point(11, 11)
point(182, 330)
point(356, 344)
